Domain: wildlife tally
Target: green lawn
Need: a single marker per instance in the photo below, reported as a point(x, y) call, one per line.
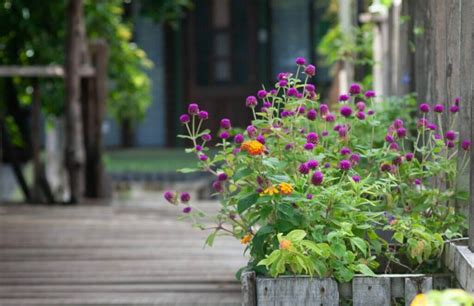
point(148, 160)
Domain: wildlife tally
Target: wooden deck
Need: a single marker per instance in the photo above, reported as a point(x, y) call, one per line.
point(120, 254)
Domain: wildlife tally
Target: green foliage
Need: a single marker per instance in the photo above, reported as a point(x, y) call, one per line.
point(452, 297)
point(378, 174)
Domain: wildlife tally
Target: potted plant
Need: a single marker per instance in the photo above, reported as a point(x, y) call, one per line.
point(313, 190)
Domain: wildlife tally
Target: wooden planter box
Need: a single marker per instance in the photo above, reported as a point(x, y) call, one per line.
point(362, 291)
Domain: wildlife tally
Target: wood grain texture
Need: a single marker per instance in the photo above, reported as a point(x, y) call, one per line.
point(123, 253)
point(302, 291)
point(371, 291)
point(249, 289)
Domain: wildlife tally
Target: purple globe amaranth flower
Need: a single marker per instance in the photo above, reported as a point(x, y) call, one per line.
point(185, 197)
point(303, 168)
point(217, 186)
point(309, 196)
point(299, 95)
point(327, 165)
point(308, 146)
point(355, 158)
point(272, 92)
point(344, 165)
point(450, 135)
point(394, 146)
point(285, 113)
point(193, 109)
point(398, 123)
point(198, 148)
point(369, 94)
point(292, 92)
point(317, 178)
point(225, 124)
point(312, 164)
point(397, 160)
point(342, 132)
point(360, 115)
point(356, 178)
point(389, 138)
point(346, 111)
point(385, 167)
point(267, 104)
point(301, 110)
point(251, 101)
point(184, 118)
point(355, 89)
point(187, 209)
point(466, 145)
point(422, 122)
point(345, 151)
point(401, 132)
point(261, 94)
point(170, 197)
point(324, 133)
point(337, 127)
point(310, 87)
point(261, 139)
point(432, 126)
point(409, 156)
point(202, 157)
point(251, 131)
point(330, 118)
point(360, 106)
point(300, 61)
point(224, 135)
point(206, 137)
point(222, 176)
point(323, 109)
point(457, 100)
point(343, 97)
point(239, 138)
point(282, 83)
point(282, 75)
point(312, 137)
point(288, 146)
point(370, 112)
point(236, 151)
point(450, 144)
point(311, 114)
point(437, 136)
point(438, 108)
point(454, 109)
point(424, 107)
point(203, 115)
point(417, 181)
point(310, 70)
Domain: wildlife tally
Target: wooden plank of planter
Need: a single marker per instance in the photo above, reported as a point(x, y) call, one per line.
point(416, 285)
point(371, 291)
point(287, 291)
point(249, 287)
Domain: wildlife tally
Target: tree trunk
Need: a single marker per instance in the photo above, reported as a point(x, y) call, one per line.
point(127, 135)
point(74, 134)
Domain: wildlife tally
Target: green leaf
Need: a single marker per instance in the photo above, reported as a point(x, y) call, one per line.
point(270, 259)
point(338, 249)
point(242, 173)
point(398, 236)
point(296, 235)
point(365, 270)
point(244, 203)
point(188, 170)
point(360, 244)
point(210, 239)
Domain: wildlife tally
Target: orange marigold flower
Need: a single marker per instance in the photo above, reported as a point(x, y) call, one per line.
point(285, 244)
point(270, 191)
point(253, 147)
point(246, 239)
point(285, 188)
point(420, 300)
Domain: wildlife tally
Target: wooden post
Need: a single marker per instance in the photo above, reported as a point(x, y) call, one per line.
point(74, 135)
point(94, 112)
point(347, 19)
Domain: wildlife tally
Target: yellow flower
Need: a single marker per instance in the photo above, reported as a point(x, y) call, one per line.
point(285, 244)
point(420, 300)
point(253, 147)
point(246, 239)
point(285, 188)
point(270, 191)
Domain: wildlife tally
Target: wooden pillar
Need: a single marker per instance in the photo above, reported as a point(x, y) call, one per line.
point(347, 20)
point(74, 135)
point(94, 113)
